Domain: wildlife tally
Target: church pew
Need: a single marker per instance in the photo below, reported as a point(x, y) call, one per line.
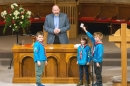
point(88, 12)
point(37, 20)
point(2, 23)
point(118, 20)
point(87, 19)
point(128, 23)
point(85, 16)
point(107, 11)
point(103, 20)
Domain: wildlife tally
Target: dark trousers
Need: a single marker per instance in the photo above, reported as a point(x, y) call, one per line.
point(86, 67)
point(98, 71)
point(56, 40)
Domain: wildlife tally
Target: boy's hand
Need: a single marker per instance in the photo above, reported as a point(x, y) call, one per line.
point(39, 63)
point(97, 64)
point(46, 63)
point(87, 63)
point(84, 28)
point(77, 62)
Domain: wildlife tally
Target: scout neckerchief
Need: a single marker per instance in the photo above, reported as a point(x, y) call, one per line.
point(41, 43)
point(94, 46)
point(82, 47)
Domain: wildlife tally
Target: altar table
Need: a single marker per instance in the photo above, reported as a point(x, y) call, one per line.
point(61, 68)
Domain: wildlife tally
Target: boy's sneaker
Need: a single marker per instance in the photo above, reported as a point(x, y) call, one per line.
point(40, 85)
point(97, 84)
point(87, 83)
point(101, 85)
point(80, 83)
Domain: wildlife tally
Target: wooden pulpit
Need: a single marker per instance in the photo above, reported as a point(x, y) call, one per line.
point(61, 68)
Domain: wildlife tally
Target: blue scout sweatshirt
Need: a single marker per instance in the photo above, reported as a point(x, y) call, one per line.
point(39, 52)
point(83, 54)
point(98, 49)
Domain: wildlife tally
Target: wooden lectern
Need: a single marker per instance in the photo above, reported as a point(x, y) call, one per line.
point(61, 68)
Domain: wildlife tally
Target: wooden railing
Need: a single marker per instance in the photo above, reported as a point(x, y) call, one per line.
point(71, 10)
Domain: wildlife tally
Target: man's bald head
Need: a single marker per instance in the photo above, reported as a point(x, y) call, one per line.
point(55, 7)
point(55, 10)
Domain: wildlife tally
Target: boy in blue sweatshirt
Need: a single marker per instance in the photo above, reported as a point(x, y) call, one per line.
point(39, 57)
point(83, 59)
point(98, 50)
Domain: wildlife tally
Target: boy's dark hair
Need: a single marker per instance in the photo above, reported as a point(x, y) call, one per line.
point(39, 33)
point(85, 38)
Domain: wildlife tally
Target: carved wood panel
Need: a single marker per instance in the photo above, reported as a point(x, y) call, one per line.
point(124, 12)
point(51, 70)
point(45, 9)
point(87, 10)
point(28, 67)
point(73, 70)
point(108, 11)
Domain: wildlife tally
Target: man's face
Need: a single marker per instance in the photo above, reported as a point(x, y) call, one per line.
point(56, 10)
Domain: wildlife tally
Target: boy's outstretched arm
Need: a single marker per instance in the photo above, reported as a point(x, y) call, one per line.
point(89, 34)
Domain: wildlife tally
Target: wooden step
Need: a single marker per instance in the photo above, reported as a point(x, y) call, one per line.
point(117, 81)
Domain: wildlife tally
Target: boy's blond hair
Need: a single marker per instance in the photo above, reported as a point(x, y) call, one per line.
point(99, 34)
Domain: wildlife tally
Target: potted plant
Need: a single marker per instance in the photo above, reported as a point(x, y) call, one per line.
point(16, 17)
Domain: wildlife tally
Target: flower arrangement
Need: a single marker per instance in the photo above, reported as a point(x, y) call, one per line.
point(16, 17)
